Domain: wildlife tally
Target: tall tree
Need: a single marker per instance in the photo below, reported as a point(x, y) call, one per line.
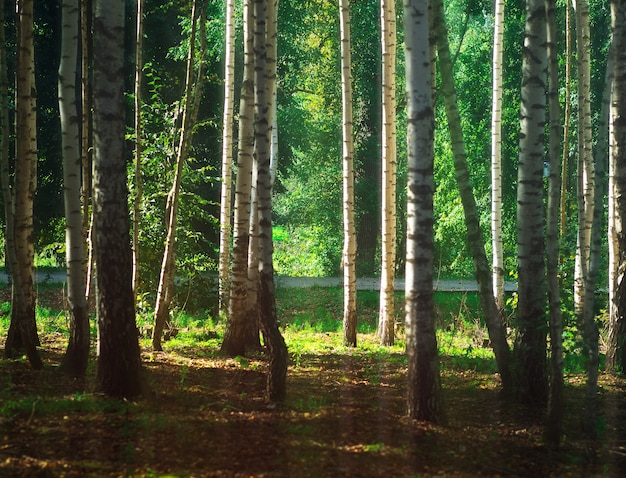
point(234, 336)
point(555, 399)
point(496, 157)
point(531, 311)
point(566, 115)
point(386, 321)
point(616, 354)
point(77, 355)
point(5, 173)
point(86, 16)
point(277, 375)
point(586, 173)
point(491, 312)
point(424, 397)
point(23, 329)
point(349, 237)
point(119, 363)
point(138, 138)
point(192, 97)
point(227, 158)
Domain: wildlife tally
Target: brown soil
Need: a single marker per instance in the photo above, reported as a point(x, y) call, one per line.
point(344, 416)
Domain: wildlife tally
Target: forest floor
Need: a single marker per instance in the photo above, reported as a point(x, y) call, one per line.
point(344, 416)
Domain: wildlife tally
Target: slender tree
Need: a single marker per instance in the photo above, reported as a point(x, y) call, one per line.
point(349, 237)
point(192, 97)
point(424, 397)
point(586, 173)
point(531, 311)
point(227, 158)
point(138, 137)
point(276, 378)
point(86, 14)
point(616, 354)
point(77, 355)
point(234, 336)
point(386, 321)
point(496, 157)
point(119, 363)
point(492, 315)
point(566, 115)
point(555, 399)
point(23, 329)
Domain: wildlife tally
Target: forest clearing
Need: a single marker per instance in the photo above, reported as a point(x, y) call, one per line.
point(344, 415)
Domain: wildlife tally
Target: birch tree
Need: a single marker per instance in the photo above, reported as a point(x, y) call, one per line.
point(23, 329)
point(277, 374)
point(190, 111)
point(234, 336)
point(616, 353)
point(349, 234)
point(555, 399)
point(491, 313)
point(119, 363)
point(586, 173)
point(531, 316)
point(496, 158)
point(77, 355)
point(138, 138)
point(386, 321)
point(227, 158)
point(424, 385)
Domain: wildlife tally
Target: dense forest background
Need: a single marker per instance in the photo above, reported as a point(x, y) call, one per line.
point(308, 228)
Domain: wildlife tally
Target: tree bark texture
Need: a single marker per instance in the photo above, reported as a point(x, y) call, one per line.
point(531, 311)
point(424, 385)
point(77, 355)
point(349, 234)
point(234, 336)
point(386, 321)
point(23, 329)
point(119, 364)
point(476, 242)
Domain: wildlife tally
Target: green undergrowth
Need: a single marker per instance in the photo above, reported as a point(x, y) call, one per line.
point(311, 321)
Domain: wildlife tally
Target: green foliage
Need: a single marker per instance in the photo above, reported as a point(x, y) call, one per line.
point(305, 251)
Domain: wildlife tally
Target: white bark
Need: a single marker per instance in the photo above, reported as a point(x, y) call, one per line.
point(349, 235)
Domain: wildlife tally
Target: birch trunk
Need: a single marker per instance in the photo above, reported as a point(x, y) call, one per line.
point(555, 399)
point(77, 355)
point(23, 329)
point(496, 158)
point(531, 311)
point(492, 315)
point(424, 384)
point(349, 234)
point(227, 159)
point(165, 291)
point(234, 336)
point(277, 374)
point(386, 321)
point(138, 138)
point(119, 363)
point(617, 345)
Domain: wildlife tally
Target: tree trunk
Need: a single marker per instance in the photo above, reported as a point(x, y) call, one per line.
point(227, 159)
point(192, 97)
point(555, 399)
point(138, 137)
point(424, 397)
point(566, 119)
point(386, 320)
point(23, 329)
point(616, 353)
point(491, 312)
point(119, 363)
point(531, 311)
point(586, 174)
point(276, 378)
point(496, 158)
point(234, 337)
point(349, 237)
point(77, 355)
